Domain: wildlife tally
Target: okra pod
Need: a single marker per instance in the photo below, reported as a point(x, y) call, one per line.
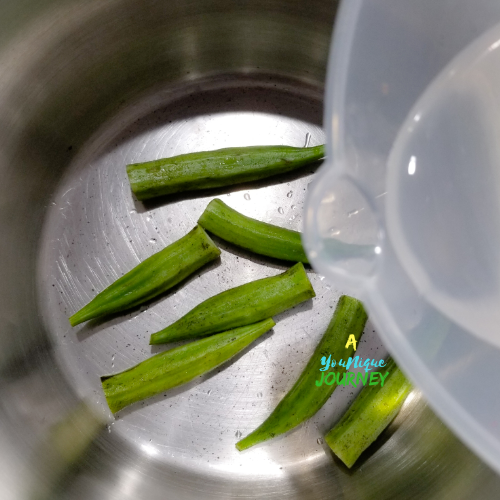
point(240, 306)
point(177, 366)
point(222, 167)
point(305, 398)
point(372, 411)
point(256, 236)
point(152, 277)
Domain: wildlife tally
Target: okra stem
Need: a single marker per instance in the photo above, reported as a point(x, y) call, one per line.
point(372, 411)
point(222, 167)
point(254, 235)
point(305, 398)
point(152, 277)
point(240, 306)
point(177, 366)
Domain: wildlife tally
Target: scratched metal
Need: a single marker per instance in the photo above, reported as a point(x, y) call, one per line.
point(95, 232)
point(87, 87)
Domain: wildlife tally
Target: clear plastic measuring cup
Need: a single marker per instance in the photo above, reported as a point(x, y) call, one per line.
point(405, 214)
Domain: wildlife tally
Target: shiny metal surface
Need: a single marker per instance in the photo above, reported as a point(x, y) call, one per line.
point(86, 87)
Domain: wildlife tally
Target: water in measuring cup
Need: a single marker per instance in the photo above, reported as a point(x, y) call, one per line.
point(443, 201)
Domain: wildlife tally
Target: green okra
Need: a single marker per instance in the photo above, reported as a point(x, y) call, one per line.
point(177, 366)
point(240, 306)
point(305, 398)
point(222, 167)
point(372, 411)
point(63, 446)
point(152, 277)
point(256, 236)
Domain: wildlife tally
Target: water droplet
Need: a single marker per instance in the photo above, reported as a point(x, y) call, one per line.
point(352, 212)
point(321, 278)
point(150, 440)
point(134, 211)
point(289, 194)
point(319, 440)
point(259, 394)
point(209, 391)
point(108, 426)
point(148, 218)
point(238, 434)
point(308, 140)
point(292, 217)
point(293, 207)
point(334, 231)
point(281, 211)
point(228, 194)
point(152, 240)
point(112, 365)
point(113, 357)
point(247, 196)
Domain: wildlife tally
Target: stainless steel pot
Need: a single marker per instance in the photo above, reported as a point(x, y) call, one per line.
point(86, 87)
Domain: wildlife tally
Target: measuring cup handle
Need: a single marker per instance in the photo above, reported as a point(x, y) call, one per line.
point(342, 235)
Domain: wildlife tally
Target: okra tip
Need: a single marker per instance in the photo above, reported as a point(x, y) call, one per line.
point(73, 321)
point(78, 317)
point(299, 270)
point(244, 444)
